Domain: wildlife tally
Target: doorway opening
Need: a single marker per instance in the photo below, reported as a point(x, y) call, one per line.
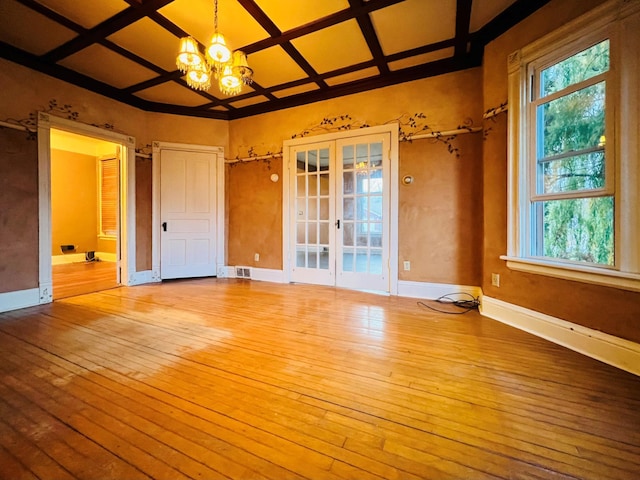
point(86, 208)
point(85, 201)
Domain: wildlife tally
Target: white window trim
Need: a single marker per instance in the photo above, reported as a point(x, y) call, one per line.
point(624, 18)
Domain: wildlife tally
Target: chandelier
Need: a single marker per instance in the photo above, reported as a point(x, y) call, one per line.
point(229, 68)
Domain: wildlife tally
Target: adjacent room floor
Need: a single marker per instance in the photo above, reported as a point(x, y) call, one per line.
point(71, 279)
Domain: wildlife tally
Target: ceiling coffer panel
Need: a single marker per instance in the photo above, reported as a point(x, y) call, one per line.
point(299, 52)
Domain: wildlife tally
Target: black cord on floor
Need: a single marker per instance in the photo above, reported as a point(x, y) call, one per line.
point(466, 305)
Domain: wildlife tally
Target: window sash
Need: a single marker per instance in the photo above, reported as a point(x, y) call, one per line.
point(535, 128)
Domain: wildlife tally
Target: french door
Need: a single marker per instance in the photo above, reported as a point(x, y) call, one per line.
point(339, 218)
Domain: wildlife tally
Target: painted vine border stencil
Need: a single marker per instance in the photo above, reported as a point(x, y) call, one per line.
point(64, 110)
point(410, 127)
point(491, 114)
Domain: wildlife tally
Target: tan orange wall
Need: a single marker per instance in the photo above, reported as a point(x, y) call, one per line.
point(74, 201)
point(25, 91)
point(18, 211)
point(613, 311)
point(454, 187)
point(440, 213)
point(255, 214)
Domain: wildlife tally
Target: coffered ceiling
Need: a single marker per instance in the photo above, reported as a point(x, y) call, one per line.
point(301, 51)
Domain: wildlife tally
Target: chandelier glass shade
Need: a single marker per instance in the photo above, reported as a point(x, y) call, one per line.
point(241, 68)
point(230, 68)
point(199, 76)
point(188, 55)
point(218, 53)
point(229, 83)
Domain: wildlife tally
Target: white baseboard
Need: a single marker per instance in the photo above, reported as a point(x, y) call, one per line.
point(225, 272)
point(609, 349)
point(79, 257)
point(140, 278)
point(267, 275)
point(432, 291)
point(20, 299)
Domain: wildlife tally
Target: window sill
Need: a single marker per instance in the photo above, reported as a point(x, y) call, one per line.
point(106, 237)
point(578, 273)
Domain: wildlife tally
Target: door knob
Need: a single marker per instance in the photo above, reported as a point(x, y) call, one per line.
point(164, 226)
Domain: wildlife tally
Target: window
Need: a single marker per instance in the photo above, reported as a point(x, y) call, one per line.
point(572, 192)
point(573, 150)
point(109, 194)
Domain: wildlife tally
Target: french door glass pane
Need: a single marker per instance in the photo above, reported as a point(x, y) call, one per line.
point(324, 160)
point(301, 256)
point(324, 233)
point(302, 185)
point(348, 208)
point(348, 185)
point(362, 263)
point(312, 209)
point(375, 261)
point(376, 155)
point(324, 184)
point(313, 185)
point(348, 259)
point(347, 157)
point(312, 258)
point(347, 234)
point(362, 190)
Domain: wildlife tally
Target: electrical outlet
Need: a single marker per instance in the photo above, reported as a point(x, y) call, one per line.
point(495, 279)
point(256, 257)
point(407, 265)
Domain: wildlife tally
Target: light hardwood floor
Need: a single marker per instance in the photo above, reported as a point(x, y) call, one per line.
point(212, 379)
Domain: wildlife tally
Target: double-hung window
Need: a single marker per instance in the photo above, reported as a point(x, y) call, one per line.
point(571, 191)
point(574, 174)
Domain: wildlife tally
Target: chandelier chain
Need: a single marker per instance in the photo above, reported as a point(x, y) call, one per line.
point(215, 16)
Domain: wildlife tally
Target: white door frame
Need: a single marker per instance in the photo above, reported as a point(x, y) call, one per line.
point(287, 201)
point(127, 243)
point(155, 208)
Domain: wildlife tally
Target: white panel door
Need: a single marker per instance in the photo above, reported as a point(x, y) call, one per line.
point(187, 214)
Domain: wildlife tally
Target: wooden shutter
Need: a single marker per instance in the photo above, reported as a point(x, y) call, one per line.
point(109, 194)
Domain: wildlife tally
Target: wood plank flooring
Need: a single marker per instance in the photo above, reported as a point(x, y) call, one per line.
point(78, 278)
point(234, 379)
